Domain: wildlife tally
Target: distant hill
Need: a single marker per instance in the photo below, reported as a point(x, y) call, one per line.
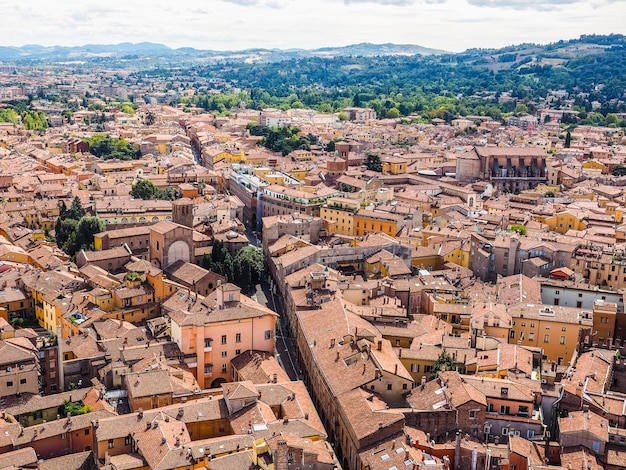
point(33, 52)
point(147, 54)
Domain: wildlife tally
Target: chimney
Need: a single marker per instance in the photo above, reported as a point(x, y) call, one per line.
point(140, 413)
point(395, 369)
point(380, 344)
point(177, 441)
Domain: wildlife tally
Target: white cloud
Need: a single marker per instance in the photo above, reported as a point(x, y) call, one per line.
point(238, 24)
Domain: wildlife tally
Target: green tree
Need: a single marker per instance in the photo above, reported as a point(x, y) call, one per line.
point(619, 170)
point(76, 211)
point(521, 109)
point(87, 228)
point(393, 113)
point(443, 363)
point(248, 267)
point(568, 140)
point(143, 189)
point(373, 162)
point(517, 228)
point(75, 408)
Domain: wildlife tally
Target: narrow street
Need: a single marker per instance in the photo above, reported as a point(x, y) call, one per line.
point(285, 347)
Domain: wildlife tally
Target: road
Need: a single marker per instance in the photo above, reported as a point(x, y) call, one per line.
point(285, 347)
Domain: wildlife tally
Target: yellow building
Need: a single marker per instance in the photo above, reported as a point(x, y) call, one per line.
point(394, 165)
point(564, 221)
point(554, 329)
point(368, 221)
point(338, 214)
point(302, 156)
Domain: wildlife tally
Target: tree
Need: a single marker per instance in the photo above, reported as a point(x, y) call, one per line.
point(76, 211)
point(87, 228)
point(143, 189)
point(568, 140)
point(517, 228)
point(75, 408)
point(393, 113)
point(443, 363)
point(150, 118)
point(373, 162)
point(248, 267)
point(619, 170)
point(521, 109)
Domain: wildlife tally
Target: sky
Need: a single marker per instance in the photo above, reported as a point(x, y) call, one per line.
point(451, 25)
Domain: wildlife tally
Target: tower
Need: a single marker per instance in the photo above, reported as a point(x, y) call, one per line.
point(182, 212)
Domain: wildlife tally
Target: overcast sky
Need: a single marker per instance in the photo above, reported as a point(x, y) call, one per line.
point(452, 25)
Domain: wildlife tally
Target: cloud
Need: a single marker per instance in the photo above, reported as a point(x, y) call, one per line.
point(395, 3)
point(243, 3)
point(542, 5)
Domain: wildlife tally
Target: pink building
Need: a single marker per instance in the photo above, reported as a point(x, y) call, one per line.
point(212, 331)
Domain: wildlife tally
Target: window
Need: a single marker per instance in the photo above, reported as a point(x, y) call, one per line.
point(505, 410)
point(531, 336)
point(532, 325)
point(473, 414)
point(389, 386)
point(562, 341)
point(238, 338)
point(428, 369)
point(208, 342)
point(268, 334)
point(405, 386)
point(111, 444)
point(237, 352)
point(87, 432)
point(22, 381)
point(415, 367)
point(127, 440)
point(223, 339)
point(10, 383)
point(63, 435)
point(224, 353)
point(224, 368)
point(208, 368)
point(546, 338)
point(505, 431)
point(523, 410)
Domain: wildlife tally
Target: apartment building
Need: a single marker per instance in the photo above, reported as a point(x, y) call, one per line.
point(213, 330)
point(555, 330)
point(19, 367)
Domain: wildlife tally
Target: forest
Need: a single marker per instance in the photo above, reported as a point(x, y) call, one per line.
point(591, 68)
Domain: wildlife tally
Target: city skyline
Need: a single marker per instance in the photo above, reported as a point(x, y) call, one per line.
point(450, 25)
